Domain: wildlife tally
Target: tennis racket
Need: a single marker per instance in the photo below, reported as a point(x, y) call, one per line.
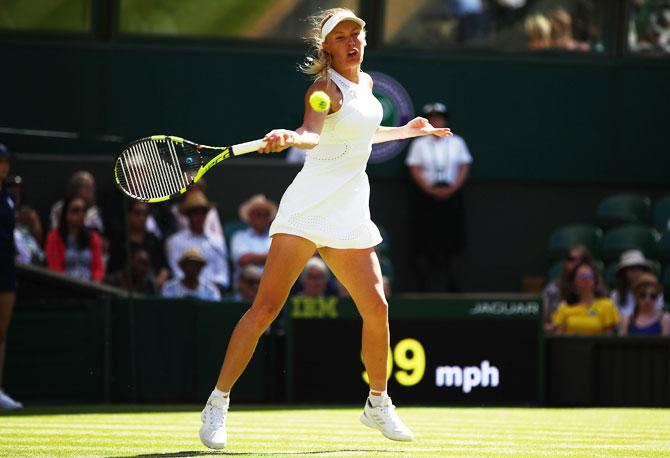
point(162, 167)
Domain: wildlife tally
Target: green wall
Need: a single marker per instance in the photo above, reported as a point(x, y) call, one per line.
point(556, 118)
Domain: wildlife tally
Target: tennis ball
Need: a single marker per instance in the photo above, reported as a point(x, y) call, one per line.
point(319, 101)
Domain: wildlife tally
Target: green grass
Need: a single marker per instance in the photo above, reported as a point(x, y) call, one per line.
point(172, 431)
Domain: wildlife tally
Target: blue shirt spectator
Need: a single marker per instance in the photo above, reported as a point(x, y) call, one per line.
point(211, 247)
point(191, 284)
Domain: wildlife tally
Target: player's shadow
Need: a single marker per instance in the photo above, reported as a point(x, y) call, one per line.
point(206, 453)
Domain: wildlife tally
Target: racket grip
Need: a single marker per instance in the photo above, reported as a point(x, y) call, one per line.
point(248, 147)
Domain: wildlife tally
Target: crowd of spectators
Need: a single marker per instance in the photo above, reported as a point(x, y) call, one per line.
point(579, 303)
point(171, 249)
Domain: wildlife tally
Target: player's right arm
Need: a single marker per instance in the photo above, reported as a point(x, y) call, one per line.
point(308, 134)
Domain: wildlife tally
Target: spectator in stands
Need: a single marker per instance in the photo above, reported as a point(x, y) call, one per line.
point(73, 248)
point(82, 185)
point(472, 19)
point(439, 168)
point(247, 283)
point(191, 283)
point(140, 270)
point(212, 225)
point(649, 26)
point(211, 246)
point(559, 289)
point(314, 278)
point(646, 318)
point(631, 265)
point(538, 31)
point(561, 31)
point(251, 245)
point(139, 237)
point(7, 270)
point(585, 313)
point(28, 237)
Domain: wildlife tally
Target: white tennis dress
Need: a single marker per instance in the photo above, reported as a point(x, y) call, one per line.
point(328, 201)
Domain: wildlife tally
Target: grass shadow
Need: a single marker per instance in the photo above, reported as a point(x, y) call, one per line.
point(153, 408)
point(223, 453)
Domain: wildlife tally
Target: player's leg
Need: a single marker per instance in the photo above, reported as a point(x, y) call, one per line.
point(6, 307)
point(360, 274)
point(286, 259)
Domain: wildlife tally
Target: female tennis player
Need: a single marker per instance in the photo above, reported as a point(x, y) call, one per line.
point(326, 208)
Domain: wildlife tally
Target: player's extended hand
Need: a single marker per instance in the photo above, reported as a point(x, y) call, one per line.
point(420, 126)
point(278, 140)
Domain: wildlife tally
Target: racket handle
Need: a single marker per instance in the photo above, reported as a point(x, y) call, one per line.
point(248, 147)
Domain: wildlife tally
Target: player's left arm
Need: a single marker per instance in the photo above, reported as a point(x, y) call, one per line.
point(417, 127)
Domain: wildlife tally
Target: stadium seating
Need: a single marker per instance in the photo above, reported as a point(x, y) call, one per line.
point(630, 237)
point(627, 208)
point(231, 227)
point(662, 214)
point(665, 280)
point(384, 248)
point(562, 238)
point(555, 270)
point(664, 248)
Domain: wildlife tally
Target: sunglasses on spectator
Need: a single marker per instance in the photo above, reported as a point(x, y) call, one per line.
point(645, 296)
point(572, 258)
point(585, 276)
point(77, 209)
point(198, 211)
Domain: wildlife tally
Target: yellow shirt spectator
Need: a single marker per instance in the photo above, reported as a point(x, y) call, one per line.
point(586, 320)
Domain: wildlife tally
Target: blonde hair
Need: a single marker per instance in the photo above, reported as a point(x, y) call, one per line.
point(538, 30)
point(317, 61)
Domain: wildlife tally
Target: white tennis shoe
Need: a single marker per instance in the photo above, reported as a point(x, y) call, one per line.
point(7, 403)
point(385, 419)
point(213, 430)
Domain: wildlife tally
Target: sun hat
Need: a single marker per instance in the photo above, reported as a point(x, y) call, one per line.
point(193, 255)
point(194, 200)
point(632, 258)
point(336, 18)
point(258, 200)
point(435, 108)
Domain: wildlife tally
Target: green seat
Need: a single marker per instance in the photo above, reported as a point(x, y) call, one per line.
point(662, 214)
point(619, 209)
point(610, 274)
point(630, 237)
point(562, 238)
point(230, 228)
point(665, 280)
point(664, 247)
point(384, 248)
point(555, 270)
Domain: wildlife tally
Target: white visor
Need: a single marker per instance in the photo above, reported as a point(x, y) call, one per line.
point(335, 19)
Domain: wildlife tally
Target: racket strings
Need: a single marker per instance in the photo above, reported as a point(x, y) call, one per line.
point(152, 170)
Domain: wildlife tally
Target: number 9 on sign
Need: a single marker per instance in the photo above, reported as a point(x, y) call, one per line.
point(409, 356)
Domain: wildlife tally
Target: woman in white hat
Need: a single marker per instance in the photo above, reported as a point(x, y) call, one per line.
point(326, 208)
point(631, 265)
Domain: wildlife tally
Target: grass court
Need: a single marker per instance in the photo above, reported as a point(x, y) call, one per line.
point(172, 431)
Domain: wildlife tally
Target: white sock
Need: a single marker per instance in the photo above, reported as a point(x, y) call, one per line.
point(376, 399)
point(218, 392)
